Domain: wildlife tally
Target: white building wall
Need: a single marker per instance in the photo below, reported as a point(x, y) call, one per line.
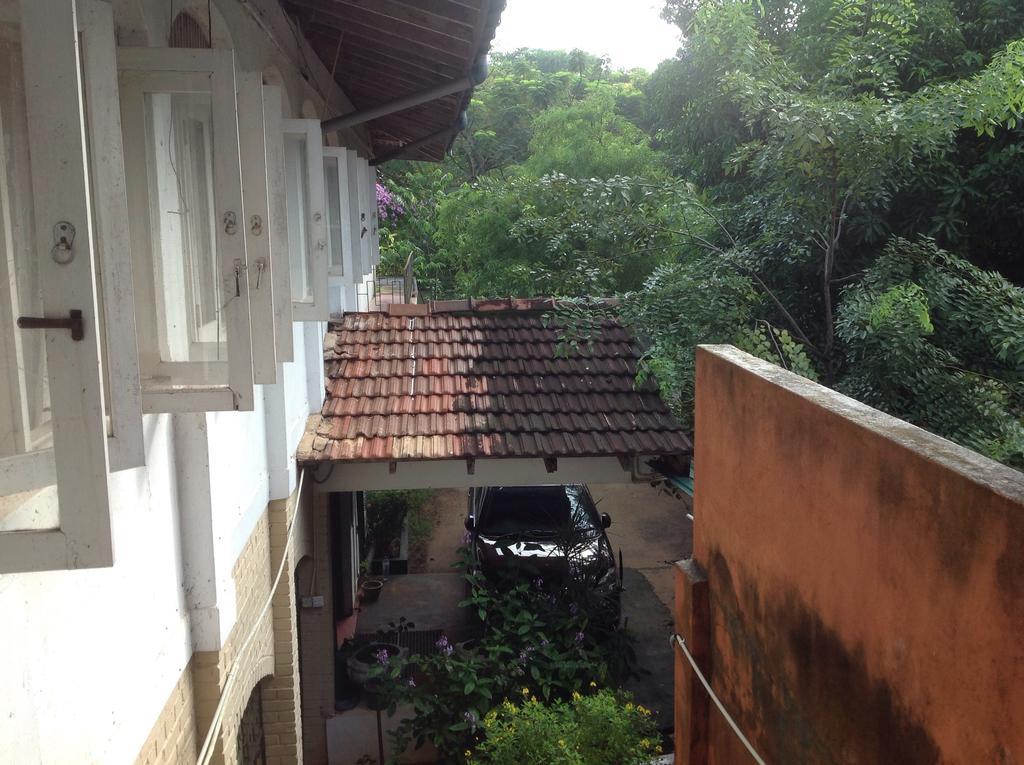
point(91, 656)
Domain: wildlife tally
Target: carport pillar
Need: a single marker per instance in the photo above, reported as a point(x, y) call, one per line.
point(693, 625)
point(345, 546)
point(317, 631)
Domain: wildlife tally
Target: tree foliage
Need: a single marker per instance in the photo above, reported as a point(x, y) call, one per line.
point(834, 185)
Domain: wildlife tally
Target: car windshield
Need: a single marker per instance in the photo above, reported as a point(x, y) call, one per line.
point(543, 509)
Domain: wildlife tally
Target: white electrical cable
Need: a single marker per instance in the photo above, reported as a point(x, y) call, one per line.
point(209, 744)
point(721, 707)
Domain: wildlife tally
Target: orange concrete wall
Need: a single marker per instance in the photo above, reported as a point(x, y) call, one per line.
point(866, 578)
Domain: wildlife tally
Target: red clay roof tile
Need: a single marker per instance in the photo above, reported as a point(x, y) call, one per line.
point(488, 382)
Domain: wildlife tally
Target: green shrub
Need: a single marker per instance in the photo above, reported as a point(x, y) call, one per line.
point(603, 728)
point(387, 511)
point(545, 640)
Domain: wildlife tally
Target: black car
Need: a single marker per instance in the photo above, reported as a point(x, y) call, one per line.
point(550, 532)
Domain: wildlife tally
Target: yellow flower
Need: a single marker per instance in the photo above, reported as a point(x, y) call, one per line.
point(657, 749)
point(576, 696)
point(468, 754)
point(644, 710)
point(629, 706)
point(533, 699)
point(526, 691)
point(593, 684)
point(561, 742)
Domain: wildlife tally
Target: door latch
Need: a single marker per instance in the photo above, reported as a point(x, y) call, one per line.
point(74, 322)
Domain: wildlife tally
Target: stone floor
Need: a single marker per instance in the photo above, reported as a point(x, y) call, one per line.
point(429, 601)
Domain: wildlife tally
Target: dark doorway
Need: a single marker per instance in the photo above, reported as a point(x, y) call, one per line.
point(251, 746)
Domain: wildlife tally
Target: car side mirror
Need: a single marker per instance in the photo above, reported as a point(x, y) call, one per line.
point(606, 520)
point(469, 523)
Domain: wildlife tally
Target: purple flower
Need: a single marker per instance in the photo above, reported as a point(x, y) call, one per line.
point(382, 656)
point(574, 609)
point(471, 718)
point(412, 682)
point(538, 582)
point(466, 538)
point(388, 205)
point(444, 646)
point(543, 643)
point(579, 637)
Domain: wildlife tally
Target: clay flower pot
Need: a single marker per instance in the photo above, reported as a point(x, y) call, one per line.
point(359, 663)
point(371, 590)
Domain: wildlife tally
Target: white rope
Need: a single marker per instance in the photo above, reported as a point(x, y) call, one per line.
point(209, 744)
point(721, 707)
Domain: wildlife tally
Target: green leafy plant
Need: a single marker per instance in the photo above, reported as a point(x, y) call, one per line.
point(600, 728)
point(549, 639)
point(386, 515)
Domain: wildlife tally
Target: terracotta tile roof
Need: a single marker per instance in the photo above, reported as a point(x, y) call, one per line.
point(486, 382)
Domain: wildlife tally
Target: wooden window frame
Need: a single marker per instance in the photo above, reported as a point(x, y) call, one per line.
point(317, 307)
point(365, 215)
point(166, 64)
point(278, 210)
point(61, 192)
point(339, 154)
point(371, 172)
point(256, 223)
point(125, 444)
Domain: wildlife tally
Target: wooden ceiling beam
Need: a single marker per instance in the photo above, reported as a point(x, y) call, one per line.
point(421, 15)
point(349, 67)
point(392, 46)
point(376, 27)
point(353, 60)
point(467, 15)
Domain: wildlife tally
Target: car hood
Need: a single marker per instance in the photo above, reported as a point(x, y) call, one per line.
point(545, 557)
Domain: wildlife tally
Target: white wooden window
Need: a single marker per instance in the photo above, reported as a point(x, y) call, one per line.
point(122, 390)
point(178, 115)
point(256, 205)
point(365, 214)
point(307, 232)
point(361, 231)
point(278, 209)
point(374, 217)
point(54, 510)
point(339, 221)
point(360, 264)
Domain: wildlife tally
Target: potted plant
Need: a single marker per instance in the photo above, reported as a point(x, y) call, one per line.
point(370, 590)
point(369, 654)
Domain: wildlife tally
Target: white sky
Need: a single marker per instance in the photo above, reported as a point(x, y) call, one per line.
point(630, 32)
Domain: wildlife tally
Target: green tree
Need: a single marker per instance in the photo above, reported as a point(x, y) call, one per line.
point(590, 139)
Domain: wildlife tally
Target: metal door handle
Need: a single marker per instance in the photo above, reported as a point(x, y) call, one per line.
point(74, 322)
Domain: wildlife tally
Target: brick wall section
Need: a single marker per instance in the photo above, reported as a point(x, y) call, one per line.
point(317, 649)
point(181, 728)
point(282, 719)
point(253, 577)
point(173, 738)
